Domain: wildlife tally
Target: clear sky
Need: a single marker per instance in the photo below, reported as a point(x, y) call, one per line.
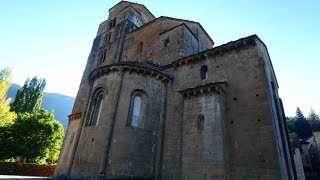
point(52, 39)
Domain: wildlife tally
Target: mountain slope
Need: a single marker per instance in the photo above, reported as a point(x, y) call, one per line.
point(60, 104)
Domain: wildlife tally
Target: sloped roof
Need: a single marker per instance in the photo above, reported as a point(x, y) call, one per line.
point(133, 5)
point(183, 22)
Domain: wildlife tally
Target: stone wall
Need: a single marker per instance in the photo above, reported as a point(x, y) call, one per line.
point(164, 40)
point(316, 135)
point(105, 145)
point(134, 149)
point(21, 169)
point(204, 152)
point(94, 139)
point(298, 164)
point(66, 157)
point(249, 117)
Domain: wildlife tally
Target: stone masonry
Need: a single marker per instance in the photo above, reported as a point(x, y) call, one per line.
point(157, 101)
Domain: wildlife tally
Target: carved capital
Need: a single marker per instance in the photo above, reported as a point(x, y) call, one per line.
point(217, 87)
point(74, 116)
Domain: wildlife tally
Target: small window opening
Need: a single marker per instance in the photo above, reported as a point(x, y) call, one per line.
point(166, 43)
point(107, 38)
point(204, 72)
point(102, 57)
point(140, 47)
point(200, 122)
point(112, 23)
point(136, 111)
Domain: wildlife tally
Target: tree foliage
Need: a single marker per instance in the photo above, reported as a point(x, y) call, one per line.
point(290, 125)
point(313, 119)
point(302, 126)
point(37, 136)
point(28, 98)
point(34, 134)
point(5, 115)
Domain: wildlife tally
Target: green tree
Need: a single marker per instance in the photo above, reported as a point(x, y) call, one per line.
point(290, 124)
point(301, 125)
point(28, 98)
point(313, 119)
point(5, 115)
point(299, 114)
point(293, 135)
point(36, 136)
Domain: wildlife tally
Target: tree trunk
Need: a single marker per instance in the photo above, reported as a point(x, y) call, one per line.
point(21, 159)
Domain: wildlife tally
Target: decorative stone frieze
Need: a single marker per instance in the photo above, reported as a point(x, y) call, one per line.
point(233, 45)
point(142, 68)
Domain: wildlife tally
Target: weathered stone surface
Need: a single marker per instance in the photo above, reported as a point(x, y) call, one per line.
point(203, 112)
point(299, 165)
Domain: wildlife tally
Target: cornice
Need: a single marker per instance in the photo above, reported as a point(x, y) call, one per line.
point(132, 67)
point(74, 116)
point(233, 45)
point(217, 87)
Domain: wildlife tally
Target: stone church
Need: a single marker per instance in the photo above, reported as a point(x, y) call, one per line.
point(158, 101)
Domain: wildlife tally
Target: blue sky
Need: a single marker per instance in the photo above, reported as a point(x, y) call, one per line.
point(52, 39)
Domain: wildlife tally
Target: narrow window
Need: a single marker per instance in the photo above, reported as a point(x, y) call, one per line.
point(136, 111)
point(110, 24)
point(102, 57)
point(204, 72)
point(166, 43)
point(114, 22)
point(140, 47)
point(200, 122)
point(95, 110)
point(107, 38)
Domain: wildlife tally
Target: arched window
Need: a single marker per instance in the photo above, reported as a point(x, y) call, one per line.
point(112, 23)
point(200, 122)
point(137, 109)
point(107, 38)
point(95, 109)
point(204, 72)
